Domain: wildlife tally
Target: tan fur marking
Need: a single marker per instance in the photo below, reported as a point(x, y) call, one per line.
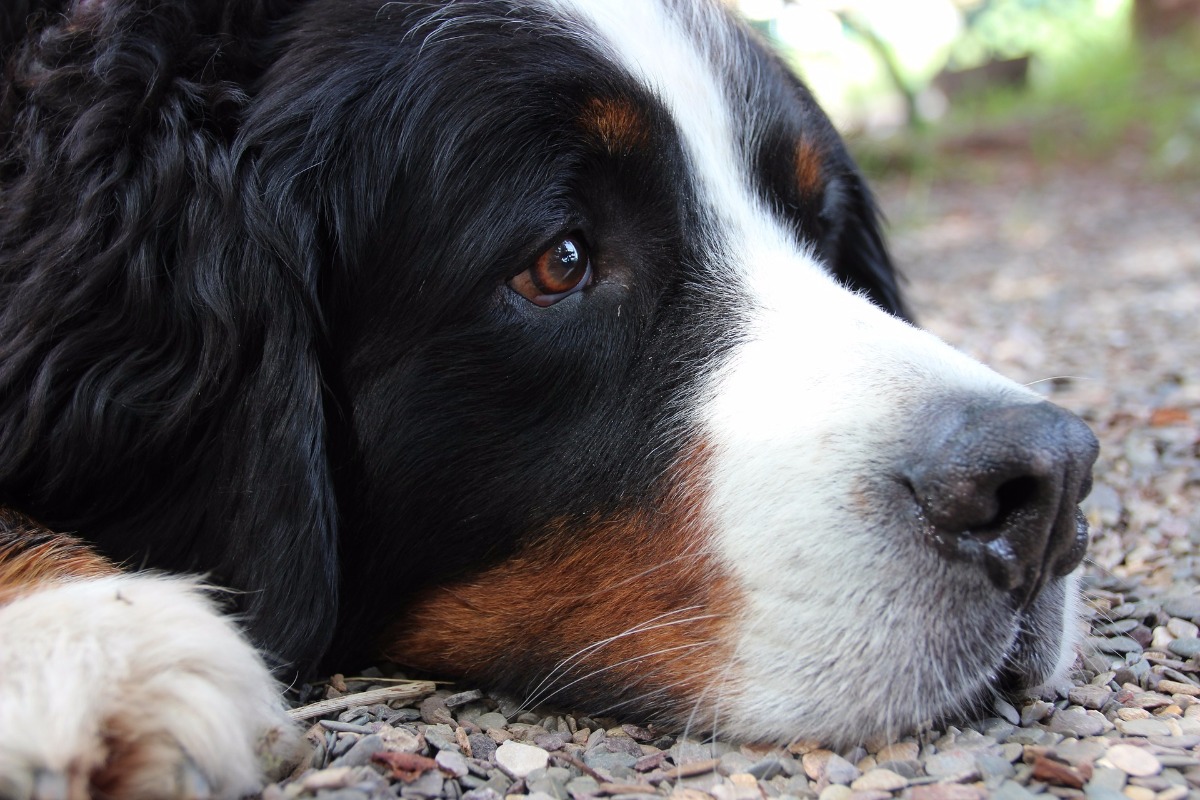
point(31, 557)
point(809, 161)
point(579, 585)
point(617, 123)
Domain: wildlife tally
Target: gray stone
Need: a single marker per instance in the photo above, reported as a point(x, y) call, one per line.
point(360, 752)
point(428, 785)
point(483, 746)
point(441, 737)
point(621, 744)
point(1108, 778)
point(994, 770)
point(689, 752)
point(551, 741)
point(498, 782)
point(767, 768)
point(1077, 722)
point(462, 698)
point(732, 763)
point(453, 762)
point(1133, 672)
point(1090, 696)
point(1185, 648)
point(1036, 711)
point(1093, 792)
point(583, 787)
point(839, 770)
point(1143, 727)
point(1119, 645)
point(1185, 607)
point(491, 720)
point(1116, 628)
point(951, 763)
point(616, 764)
point(1011, 790)
point(998, 728)
point(485, 793)
point(908, 768)
point(551, 781)
point(1035, 736)
point(434, 711)
point(519, 759)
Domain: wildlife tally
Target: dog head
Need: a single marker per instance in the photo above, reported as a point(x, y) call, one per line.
point(560, 334)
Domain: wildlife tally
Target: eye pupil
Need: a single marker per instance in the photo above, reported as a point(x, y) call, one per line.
point(559, 268)
point(568, 253)
point(562, 270)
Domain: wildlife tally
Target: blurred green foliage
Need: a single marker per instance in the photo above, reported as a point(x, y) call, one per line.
point(1096, 93)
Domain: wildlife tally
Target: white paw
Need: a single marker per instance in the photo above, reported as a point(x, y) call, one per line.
point(133, 686)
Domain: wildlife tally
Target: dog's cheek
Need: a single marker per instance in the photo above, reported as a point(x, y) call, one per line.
point(633, 609)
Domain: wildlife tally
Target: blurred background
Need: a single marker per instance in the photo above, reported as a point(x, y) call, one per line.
point(1039, 164)
point(1060, 78)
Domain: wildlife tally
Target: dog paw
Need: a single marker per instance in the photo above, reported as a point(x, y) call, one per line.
point(133, 687)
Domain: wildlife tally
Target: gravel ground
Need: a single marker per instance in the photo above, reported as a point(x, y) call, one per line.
point(1081, 283)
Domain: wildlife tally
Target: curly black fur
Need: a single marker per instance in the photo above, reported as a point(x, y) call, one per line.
point(250, 255)
point(159, 377)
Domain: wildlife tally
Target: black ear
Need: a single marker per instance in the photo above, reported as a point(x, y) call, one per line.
point(861, 259)
point(160, 383)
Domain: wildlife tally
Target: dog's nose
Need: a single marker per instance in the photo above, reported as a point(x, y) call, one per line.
point(1000, 486)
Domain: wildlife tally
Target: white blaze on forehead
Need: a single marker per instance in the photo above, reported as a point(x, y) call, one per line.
point(806, 420)
point(685, 64)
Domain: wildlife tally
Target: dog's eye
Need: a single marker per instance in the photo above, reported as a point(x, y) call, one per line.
point(560, 272)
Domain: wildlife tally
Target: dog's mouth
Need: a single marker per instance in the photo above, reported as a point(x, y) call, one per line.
point(1045, 643)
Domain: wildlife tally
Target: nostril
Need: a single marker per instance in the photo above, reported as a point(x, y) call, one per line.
point(1012, 496)
point(997, 486)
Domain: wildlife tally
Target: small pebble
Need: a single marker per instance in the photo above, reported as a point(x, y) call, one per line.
point(521, 759)
point(899, 751)
point(1186, 607)
point(1143, 727)
point(490, 720)
point(452, 763)
point(1119, 645)
point(952, 763)
point(1182, 628)
point(839, 770)
point(836, 792)
point(1133, 760)
point(880, 780)
point(1185, 648)
point(1090, 696)
point(435, 712)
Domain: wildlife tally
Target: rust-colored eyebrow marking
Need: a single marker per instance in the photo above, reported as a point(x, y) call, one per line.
point(808, 167)
point(617, 123)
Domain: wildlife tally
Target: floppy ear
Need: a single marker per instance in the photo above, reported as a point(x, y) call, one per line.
point(160, 382)
point(861, 258)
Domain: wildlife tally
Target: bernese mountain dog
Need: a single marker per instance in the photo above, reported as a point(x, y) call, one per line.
point(546, 343)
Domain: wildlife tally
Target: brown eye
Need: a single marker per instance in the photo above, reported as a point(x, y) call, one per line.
point(560, 272)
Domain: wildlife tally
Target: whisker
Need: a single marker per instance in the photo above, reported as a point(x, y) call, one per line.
point(630, 660)
point(641, 627)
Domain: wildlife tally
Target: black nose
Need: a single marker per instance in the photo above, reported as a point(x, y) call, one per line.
point(1000, 486)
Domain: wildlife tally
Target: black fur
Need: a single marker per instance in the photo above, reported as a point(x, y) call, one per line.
point(253, 313)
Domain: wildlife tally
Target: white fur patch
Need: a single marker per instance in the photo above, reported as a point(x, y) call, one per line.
point(806, 421)
point(146, 662)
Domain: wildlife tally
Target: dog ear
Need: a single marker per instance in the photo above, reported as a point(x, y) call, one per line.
point(861, 259)
point(161, 391)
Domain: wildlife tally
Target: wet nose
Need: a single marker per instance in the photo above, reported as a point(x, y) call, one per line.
point(999, 485)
